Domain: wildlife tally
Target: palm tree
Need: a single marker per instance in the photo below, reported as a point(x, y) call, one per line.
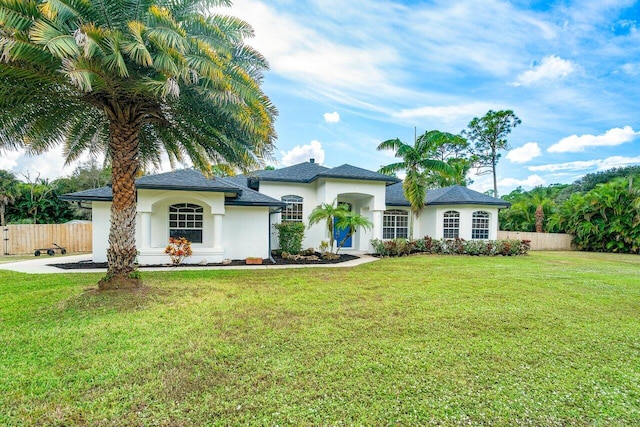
point(351, 221)
point(129, 79)
point(328, 212)
point(415, 162)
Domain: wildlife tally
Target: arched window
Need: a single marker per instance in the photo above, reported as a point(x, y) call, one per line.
point(451, 225)
point(480, 225)
point(185, 220)
point(293, 210)
point(395, 224)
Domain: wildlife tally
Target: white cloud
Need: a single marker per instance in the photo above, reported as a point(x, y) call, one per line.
point(599, 164)
point(8, 160)
point(632, 69)
point(551, 68)
point(531, 181)
point(302, 153)
point(525, 153)
point(331, 117)
point(49, 165)
point(612, 137)
point(445, 113)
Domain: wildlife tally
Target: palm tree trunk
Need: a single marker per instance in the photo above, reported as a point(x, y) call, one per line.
point(121, 255)
point(539, 219)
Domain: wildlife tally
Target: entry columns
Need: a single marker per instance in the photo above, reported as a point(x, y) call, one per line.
point(217, 232)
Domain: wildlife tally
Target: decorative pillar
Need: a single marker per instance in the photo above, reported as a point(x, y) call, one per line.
point(377, 224)
point(145, 229)
point(217, 232)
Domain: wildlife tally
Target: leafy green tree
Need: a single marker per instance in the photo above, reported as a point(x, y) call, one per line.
point(415, 161)
point(605, 219)
point(530, 209)
point(453, 150)
point(328, 212)
point(8, 192)
point(131, 79)
point(489, 136)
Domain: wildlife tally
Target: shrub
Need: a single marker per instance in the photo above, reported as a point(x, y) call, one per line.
point(178, 249)
point(395, 247)
point(458, 246)
point(290, 235)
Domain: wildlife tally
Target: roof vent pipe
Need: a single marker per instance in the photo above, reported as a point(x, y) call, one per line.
point(312, 160)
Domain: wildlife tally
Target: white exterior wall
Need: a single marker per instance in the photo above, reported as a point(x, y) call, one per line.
point(154, 204)
point(366, 198)
point(431, 220)
point(242, 231)
point(245, 232)
point(101, 219)
point(466, 216)
point(309, 194)
point(428, 223)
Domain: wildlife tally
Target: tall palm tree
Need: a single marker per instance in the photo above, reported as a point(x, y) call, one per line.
point(131, 79)
point(415, 162)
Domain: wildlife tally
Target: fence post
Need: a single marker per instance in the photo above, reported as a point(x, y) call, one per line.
point(5, 241)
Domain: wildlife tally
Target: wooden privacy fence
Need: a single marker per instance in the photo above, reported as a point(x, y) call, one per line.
point(541, 241)
point(25, 238)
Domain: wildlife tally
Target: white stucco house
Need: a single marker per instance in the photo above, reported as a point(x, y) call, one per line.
point(233, 217)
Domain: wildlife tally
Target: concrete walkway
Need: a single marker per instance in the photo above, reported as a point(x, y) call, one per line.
point(39, 265)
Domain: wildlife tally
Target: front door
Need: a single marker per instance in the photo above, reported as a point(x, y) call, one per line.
point(339, 235)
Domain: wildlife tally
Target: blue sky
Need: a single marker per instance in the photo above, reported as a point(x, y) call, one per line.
point(346, 75)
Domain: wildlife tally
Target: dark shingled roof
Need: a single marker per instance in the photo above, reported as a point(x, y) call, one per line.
point(102, 194)
point(309, 172)
point(352, 172)
point(453, 195)
point(302, 172)
point(188, 180)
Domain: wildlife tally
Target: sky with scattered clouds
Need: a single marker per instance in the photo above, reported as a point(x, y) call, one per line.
point(347, 75)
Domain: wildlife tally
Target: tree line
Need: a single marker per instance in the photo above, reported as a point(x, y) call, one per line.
point(28, 199)
point(602, 210)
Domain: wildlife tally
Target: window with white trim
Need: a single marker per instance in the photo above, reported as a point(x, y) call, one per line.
point(451, 225)
point(293, 211)
point(185, 220)
point(395, 224)
point(480, 225)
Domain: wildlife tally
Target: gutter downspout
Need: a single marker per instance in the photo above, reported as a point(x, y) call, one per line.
point(271, 212)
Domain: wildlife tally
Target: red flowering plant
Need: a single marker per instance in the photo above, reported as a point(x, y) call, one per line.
point(178, 249)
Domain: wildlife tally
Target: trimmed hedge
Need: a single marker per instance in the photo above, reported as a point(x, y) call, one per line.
point(428, 245)
point(290, 235)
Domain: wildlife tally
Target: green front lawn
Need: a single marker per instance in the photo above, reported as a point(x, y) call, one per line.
point(547, 339)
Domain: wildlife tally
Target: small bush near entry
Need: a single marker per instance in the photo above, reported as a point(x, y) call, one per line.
point(178, 249)
point(290, 235)
point(401, 247)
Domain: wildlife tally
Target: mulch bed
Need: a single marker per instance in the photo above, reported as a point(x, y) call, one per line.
point(234, 263)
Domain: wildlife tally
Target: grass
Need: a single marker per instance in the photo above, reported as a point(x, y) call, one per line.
point(547, 339)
